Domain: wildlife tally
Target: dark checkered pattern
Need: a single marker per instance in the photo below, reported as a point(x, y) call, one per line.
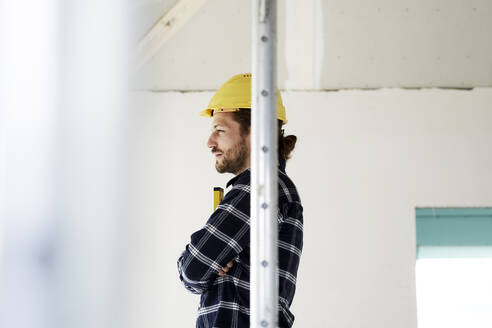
point(224, 301)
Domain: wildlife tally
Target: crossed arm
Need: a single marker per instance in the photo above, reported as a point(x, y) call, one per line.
point(212, 249)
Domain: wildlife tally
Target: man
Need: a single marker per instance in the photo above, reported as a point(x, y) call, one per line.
point(216, 262)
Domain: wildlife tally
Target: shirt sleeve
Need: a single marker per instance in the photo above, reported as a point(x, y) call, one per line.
point(224, 236)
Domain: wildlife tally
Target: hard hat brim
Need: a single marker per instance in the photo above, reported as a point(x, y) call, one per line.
point(209, 112)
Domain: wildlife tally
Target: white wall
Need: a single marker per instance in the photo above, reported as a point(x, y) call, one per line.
point(363, 162)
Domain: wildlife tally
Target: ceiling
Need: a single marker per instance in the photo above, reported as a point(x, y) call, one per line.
point(327, 45)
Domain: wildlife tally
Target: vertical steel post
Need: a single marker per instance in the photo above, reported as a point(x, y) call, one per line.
point(264, 163)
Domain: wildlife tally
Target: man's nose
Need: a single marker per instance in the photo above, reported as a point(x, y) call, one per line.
point(211, 141)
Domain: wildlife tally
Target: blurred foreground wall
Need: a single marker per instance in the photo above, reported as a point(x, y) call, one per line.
point(63, 163)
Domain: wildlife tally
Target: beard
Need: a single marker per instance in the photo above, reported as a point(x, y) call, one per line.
point(233, 160)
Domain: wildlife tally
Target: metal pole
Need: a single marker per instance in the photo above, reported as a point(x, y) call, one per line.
point(264, 162)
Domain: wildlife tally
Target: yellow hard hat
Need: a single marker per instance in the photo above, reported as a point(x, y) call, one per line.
point(235, 94)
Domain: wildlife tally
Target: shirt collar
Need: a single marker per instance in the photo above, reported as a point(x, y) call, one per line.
point(281, 166)
point(234, 180)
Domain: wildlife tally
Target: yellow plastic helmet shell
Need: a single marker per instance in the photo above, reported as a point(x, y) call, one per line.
point(236, 94)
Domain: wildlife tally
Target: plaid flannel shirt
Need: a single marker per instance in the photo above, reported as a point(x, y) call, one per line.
point(224, 301)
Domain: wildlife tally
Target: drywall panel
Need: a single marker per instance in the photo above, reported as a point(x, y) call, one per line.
point(386, 43)
point(213, 45)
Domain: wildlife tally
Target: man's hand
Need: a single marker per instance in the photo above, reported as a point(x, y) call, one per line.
point(225, 269)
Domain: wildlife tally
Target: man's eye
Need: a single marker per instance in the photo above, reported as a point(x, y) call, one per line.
point(220, 131)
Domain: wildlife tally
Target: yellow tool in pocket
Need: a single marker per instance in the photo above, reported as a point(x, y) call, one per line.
point(218, 195)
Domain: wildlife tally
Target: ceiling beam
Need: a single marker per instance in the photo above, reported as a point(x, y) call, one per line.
point(165, 28)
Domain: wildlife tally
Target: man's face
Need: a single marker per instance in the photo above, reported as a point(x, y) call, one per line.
point(230, 148)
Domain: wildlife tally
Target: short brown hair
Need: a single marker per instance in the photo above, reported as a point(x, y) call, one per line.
point(286, 144)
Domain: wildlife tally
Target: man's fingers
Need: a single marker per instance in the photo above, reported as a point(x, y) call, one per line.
point(226, 268)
